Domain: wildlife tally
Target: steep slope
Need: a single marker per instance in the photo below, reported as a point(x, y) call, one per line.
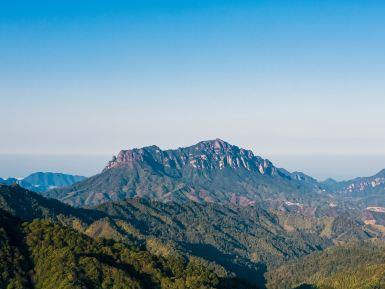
point(362, 192)
point(246, 241)
point(54, 256)
point(14, 262)
point(210, 171)
point(338, 226)
point(351, 266)
point(242, 240)
point(372, 187)
point(28, 205)
point(361, 185)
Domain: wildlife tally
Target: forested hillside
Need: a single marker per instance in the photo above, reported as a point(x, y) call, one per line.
point(15, 265)
point(41, 254)
point(247, 241)
point(358, 265)
point(244, 241)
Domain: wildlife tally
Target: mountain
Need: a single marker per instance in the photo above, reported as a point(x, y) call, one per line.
point(14, 264)
point(359, 186)
point(210, 171)
point(27, 205)
point(11, 181)
point(50, 180)
point(363, 191)
point(355, 265)
point(41, 254)
point(245, 241)
point(237, 213)
point(41, 182)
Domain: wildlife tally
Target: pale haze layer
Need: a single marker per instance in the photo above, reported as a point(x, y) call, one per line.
point(299, 83)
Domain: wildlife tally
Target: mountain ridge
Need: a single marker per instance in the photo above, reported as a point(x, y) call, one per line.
point(209, 171)
point(212, 154)
point(245, 241)
point(42, 254)
point(43, 181)
point(239, 240)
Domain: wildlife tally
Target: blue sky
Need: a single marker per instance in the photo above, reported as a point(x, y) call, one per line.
point(291, 80)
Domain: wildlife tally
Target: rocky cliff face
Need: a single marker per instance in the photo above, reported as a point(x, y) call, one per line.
point(207, 155)
point(360, 186)
point(210, 171)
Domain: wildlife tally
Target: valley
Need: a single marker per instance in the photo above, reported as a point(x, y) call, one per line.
point(256, 224)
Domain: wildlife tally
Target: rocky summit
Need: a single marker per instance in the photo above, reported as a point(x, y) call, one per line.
point(214, 154)
point(210, 171)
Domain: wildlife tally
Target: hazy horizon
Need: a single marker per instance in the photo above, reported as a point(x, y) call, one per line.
point(300, 83)
point(321, 167)
point(283, 78)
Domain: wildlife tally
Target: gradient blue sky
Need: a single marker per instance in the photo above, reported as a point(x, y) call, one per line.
point(296, 81)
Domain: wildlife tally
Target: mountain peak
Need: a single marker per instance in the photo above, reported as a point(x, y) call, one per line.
point(205, 155)
point(209, 171)
point(210, 146)
point(216, 144)
point(130, 156)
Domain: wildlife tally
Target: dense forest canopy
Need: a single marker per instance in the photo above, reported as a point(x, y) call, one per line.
point(239, 247)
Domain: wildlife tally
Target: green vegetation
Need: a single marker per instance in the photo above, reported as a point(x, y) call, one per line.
point(242, 240)
point(210, 171)
point(161, 245)
point(28, 205)
point(245, 242)
point(14, 266)
point(41, 254)
point(359, 265)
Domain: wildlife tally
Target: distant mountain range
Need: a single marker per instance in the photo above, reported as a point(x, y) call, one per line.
point(250, 223)
point(368, 191)
point(41, 182)
point(215, 171)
